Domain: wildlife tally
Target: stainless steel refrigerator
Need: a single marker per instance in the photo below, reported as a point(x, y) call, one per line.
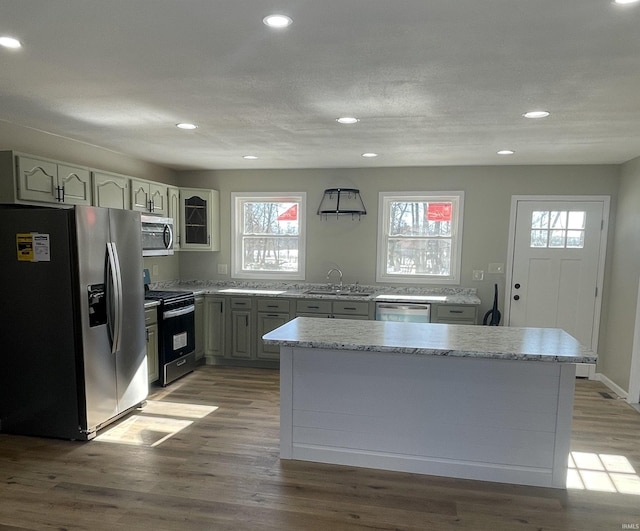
point(72, 334)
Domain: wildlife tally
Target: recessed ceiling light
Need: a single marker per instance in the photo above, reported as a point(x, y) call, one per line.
point(536, 114)
point(277, 21)
point(506, 152)
point(369, 155)
point(624, 2)
point(347, 120)
point(250, 157)
point(10, 42)
point(185, 125)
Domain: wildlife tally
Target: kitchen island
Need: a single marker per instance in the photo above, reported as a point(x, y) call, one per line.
point(485, 403)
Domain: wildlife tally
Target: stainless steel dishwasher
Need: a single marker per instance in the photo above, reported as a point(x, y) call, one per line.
point(403, 312)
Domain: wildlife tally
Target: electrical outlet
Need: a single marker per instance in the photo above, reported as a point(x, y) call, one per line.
point(478, 274)
point(496, 268)
point(154, 270)
point(222, 269)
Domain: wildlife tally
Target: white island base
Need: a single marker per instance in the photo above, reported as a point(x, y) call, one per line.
point(503, 420)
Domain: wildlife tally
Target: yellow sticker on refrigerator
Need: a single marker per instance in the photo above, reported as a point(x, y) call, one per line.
point(33, 247)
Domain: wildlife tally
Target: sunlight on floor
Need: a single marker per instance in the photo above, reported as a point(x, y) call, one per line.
point(177, 409)
point(138, 430)
point(154, 424)
point(602, 472)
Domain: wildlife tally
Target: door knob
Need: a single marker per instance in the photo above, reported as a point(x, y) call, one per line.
point(516, 297)
point(517, 286)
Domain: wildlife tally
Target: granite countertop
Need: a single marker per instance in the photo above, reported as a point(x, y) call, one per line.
point(446, 295)
point(430, 339)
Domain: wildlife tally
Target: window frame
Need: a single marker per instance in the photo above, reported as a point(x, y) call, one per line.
point(237, 199)
point(384, 201)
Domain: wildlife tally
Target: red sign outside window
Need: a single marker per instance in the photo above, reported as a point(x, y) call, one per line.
point(291, 214)
point(439, 212)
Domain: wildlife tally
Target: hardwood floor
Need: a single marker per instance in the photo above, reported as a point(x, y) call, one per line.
point(221, 471)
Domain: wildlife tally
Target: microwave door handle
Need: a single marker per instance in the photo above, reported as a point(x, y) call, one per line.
point(114, 297)
point(168, 237)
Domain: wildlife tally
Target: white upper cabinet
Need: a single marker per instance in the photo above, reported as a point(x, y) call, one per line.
point(75, 184)
point(174, 211)
point(110, 190)
point(200, 219)
point(47, 181)
point(148, 196)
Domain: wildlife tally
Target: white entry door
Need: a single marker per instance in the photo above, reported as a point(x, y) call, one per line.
point(556, 272)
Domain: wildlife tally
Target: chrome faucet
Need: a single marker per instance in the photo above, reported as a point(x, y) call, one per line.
point(339, 272)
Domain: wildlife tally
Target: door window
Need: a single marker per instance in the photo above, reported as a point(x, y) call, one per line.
point(559, 229)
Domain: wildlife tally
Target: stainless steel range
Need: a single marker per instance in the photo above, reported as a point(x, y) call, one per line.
point(176, 333)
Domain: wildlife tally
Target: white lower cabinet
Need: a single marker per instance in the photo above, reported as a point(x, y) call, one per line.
point(313, 308)
point(214, 327)
point(242, 335)
point(151, 327)
point(454, 314)
point(272, 313)
point(234, 325)
point(199, 326)
point(350, 309)
point(340, 309)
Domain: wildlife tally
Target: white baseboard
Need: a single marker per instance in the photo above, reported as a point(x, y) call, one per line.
point(611, 385)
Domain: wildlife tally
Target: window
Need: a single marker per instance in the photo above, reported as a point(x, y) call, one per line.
point(268, 235)
point(558, 229)
point(419, 237)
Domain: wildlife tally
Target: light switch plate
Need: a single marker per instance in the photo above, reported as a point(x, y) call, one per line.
point(222, 269)
point(478, 274)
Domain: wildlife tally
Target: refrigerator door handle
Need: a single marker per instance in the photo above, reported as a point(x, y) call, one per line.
point(114, 297)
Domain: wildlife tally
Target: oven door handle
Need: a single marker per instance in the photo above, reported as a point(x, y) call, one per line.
point(180, 311)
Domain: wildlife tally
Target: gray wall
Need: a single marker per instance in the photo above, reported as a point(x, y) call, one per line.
point(18, 138)
point(622, 286)
point(351, 245)
point(33, 142)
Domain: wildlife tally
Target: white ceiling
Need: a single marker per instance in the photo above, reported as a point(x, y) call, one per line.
point(434, 82)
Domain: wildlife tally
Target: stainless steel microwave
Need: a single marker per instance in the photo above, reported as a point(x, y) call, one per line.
point(157, 235)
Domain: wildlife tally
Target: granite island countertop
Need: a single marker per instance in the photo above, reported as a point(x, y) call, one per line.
point(431, 339)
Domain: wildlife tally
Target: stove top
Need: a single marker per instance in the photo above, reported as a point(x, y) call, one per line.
point(160, 295)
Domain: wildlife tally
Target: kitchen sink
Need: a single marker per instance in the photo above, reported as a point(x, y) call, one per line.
point(337, 293)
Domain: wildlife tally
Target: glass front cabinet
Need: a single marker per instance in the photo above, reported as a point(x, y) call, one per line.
point(199, 220)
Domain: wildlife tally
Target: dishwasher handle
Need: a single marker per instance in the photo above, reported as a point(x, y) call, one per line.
point(401, 306)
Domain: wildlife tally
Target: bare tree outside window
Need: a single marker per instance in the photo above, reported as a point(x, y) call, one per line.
point(419, 237)
point(269, 243)
point(269, 239)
